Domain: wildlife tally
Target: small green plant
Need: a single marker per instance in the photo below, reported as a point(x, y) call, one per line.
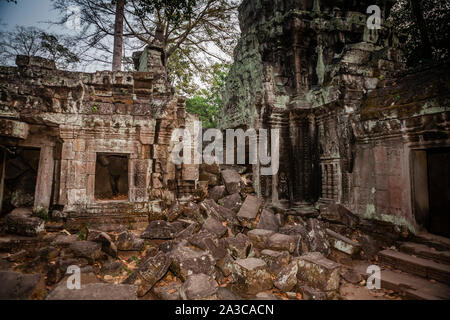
point(95, 108)
point(81, 235)
point(135, 259)
point(43, 214)
point(381, 77)
point(397, 97)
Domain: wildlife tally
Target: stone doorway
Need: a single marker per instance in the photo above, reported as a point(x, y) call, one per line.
point(431, 189)
point(111, 177)
point(20, 176)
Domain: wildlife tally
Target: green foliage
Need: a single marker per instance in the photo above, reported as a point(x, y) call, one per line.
point(207, 103)
point(176, 11)
point(436, 14)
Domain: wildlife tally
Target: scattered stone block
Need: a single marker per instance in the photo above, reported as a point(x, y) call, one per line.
point(217, 193)
point(232, 202)
point(281, 242)
point(214, 226)
point(199, 287)
point(239, 247)
point(89, 250)
point(318, 272)
point(21, 222)
point(249, 211)
point(300, 234)
point(151, 271)
point(168, 292)
point(343, 244)
point(276, 260)
point(212, 209)
point(251, 276)
point(105, 240)
point(65, 241)
point(268, 221)
point(286, 280)
point(94, 291)
point(18, 286)
point(128, 241)
point(162, 230)
point(259, 237)
point(337, 213)
point(232, 181)
point(317, 237)
point(309, 293)
point(187, 261)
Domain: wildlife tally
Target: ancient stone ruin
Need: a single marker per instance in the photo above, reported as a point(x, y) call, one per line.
point(87, 180)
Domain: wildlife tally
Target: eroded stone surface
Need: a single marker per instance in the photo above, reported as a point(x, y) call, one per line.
point(251, 275)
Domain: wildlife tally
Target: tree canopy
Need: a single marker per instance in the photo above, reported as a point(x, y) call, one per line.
point(31, 41)
point(194, 34)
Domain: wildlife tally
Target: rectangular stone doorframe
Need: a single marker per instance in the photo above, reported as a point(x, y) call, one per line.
point(44, 181)
point(420, 186)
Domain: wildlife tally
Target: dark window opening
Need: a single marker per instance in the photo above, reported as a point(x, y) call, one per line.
point(111, 177)
point(20, 177)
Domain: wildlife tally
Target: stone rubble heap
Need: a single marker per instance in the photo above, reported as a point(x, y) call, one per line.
point(222, 243)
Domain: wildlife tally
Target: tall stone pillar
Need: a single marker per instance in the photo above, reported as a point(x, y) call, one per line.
point(44, 182)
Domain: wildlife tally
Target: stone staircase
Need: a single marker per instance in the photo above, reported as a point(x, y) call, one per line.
point(418, 269)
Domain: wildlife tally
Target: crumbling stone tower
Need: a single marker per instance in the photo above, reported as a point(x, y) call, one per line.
point(314, 70)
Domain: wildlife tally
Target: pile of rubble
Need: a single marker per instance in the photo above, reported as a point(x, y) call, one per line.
point(223, 243)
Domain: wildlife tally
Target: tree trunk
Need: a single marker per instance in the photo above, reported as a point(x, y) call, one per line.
point(118, 36)
point(425, 50)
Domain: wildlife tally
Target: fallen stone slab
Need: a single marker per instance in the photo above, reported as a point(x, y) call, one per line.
point(89, 250)
point(286, 279)
point(317, 237)
point(309, 293)
point(318, 272)
point(19, 286)
point(105, 240)
point(151, 271)
point(249, 211)
point(337, 213)
point(232, 202)
point(212, 209)
point(259, 237)
point(199, 287)
point(227, 294)
point(232, 180)
point(168, 292)
point(162, 230)
point(216, 193)
point(94, 291)
point(65, 240)
point(211, 178)
point(281, 242)
point(267, 296)
point(128, 241)
point(276, 260)
point(215, 227)
point(21, 222)
point(17, 256)
point(300, 234)
point(174, 212)
point(268, 221)
point(239, 247)
point(187, 261)
point(343, 244)
point(251, 276)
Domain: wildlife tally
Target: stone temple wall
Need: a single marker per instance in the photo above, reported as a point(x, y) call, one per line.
point(74, 117)
point(349, 118)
